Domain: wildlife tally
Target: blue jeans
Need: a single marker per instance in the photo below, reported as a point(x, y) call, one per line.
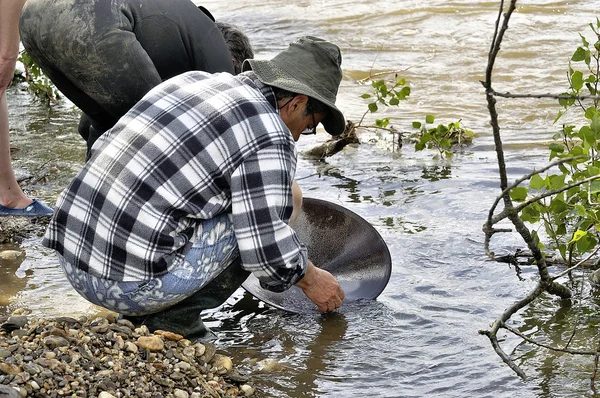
point(214, 250)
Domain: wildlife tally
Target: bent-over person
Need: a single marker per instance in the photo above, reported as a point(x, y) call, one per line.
point(105, 55)
point(191, 191)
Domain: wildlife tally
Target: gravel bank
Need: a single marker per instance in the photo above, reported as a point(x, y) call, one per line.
point(104, 357)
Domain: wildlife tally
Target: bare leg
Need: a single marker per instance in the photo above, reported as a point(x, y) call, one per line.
point(11, 194)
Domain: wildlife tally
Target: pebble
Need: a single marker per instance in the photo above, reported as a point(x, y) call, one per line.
point(152, 343)
point(108, 358)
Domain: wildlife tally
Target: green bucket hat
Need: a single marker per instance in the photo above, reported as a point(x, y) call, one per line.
point(310, 66)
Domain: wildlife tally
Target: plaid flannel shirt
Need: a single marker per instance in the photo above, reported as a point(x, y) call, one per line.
point(195, 146)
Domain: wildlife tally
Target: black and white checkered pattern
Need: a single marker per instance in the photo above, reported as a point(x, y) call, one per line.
point(195, 146)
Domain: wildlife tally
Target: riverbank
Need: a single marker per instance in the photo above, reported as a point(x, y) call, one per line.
point(104, 357)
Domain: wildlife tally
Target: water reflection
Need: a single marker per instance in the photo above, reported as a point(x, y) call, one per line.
point(563, 324)
point(11, 258)
point(402, 225)
point(436, 173)
point(301, 349)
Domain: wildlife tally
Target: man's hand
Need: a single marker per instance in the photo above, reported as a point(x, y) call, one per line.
point(321, 288)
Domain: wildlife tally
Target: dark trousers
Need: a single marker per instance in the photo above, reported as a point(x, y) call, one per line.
point(184, 318)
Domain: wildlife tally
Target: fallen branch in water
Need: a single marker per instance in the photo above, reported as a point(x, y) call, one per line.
point(336, 144)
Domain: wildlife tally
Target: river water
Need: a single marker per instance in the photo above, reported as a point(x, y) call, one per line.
point(420, 337)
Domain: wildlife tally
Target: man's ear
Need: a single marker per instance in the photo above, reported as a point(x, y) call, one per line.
point(299, 100)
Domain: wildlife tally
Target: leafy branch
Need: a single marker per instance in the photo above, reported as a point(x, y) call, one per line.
point(562, 197)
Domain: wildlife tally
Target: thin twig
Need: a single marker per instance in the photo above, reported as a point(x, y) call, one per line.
point(389, 72)
point(558, 349)
point(546, 95)
point(578, 264)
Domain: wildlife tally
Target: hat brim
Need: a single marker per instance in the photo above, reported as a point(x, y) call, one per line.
point(271, 74)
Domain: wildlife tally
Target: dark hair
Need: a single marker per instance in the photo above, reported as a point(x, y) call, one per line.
point(238, 43)
point(313, 105)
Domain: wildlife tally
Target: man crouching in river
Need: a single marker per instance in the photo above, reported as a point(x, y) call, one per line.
point(192, 190)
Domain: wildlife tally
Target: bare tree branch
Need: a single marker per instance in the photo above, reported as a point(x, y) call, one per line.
point(557, 349)
point(547, 95)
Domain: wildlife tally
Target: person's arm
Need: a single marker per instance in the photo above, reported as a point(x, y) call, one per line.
point(261, 207)
point(321, 288)
point(269, 247)
point(10, 11)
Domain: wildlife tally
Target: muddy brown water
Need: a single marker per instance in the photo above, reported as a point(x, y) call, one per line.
point(420, 337)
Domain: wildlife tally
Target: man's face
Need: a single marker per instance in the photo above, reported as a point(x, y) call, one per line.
point(296, 118)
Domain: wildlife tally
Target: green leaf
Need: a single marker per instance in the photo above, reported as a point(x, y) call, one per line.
point(557, 148)
point(365, 96)
point(557, 206)
point(580, 210)
point(595, 186)
point(563, 250)
point(402, 94)
point(394, 101)
point(537, 182)
point(578, 235)
point(577, 80)
point(584, 41)
point(580, 55)
point(556, 181)
point(382, 122)
point(373, 107)
point(566, 102)
point(590, 112)
point(378, 83)
point(587, 135)
point(519, 194)
point(586, 244)
point(558, 116)
point(416, 125)
point(530, 215)
point(595, 125)
point(429, 119)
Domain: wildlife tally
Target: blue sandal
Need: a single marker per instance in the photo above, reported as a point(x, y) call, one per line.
point(35, 209)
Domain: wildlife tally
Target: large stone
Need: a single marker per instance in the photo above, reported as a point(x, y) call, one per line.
point(53, 342)
point(9, 392)
point(222, 363)
point(152, 343)
point(9, 369)
point(168, 335)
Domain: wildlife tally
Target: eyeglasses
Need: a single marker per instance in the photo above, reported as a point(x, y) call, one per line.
point(311, 130)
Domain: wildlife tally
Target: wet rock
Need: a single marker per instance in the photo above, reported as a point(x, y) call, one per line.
point(53, 342)
point(180, 393)
point(9, 392)
point(247, 390)
point(14, 322)
point(66, 358)
point(11, 255)
point(168, 335)
point(19, 333)
point(4, 353)
point(9, 368)
point(222, 363)
point(209, 352)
